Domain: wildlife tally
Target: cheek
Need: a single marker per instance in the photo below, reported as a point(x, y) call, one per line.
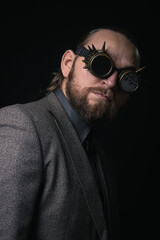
point(83, 77)
point(121, 99)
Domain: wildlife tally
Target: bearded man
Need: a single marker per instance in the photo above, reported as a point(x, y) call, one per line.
point(56, 181)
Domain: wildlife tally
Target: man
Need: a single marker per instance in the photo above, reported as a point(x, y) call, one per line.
point(56, 182)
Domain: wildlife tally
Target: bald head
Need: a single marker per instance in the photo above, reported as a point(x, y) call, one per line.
point(122, 50)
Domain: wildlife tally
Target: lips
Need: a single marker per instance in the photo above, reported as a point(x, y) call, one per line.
point(103, 95)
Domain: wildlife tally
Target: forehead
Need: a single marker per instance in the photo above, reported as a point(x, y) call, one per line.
point(122, 51)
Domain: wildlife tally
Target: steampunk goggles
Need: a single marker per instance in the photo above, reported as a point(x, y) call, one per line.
point(101, 65)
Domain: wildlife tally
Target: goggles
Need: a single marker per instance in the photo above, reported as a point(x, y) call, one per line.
point(101, 65)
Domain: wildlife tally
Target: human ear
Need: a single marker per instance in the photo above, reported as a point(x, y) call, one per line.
point(66, 62)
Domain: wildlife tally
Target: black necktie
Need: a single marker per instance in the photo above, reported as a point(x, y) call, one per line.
point(90, 149)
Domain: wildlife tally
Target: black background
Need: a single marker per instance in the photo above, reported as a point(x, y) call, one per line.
point(34, 36)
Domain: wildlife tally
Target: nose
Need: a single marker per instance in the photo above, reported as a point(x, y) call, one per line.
point(111, 81)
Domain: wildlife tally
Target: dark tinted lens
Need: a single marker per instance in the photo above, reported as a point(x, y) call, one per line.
point(101, 66)
point(129, 82)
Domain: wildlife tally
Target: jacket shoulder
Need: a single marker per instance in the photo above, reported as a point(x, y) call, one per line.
point(14, 115)
point(25, 115)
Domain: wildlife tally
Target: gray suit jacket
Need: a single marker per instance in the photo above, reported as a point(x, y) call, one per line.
point(47, 188)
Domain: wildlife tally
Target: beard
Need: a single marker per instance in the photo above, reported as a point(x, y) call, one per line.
point(101, 110)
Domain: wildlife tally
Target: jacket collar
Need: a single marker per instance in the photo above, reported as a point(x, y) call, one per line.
point(81, 164)
point(79, 124)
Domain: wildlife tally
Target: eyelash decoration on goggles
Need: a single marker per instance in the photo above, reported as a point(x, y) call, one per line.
point(101, 65)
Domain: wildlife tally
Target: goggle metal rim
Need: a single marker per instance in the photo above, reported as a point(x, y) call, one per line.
point(120, 80)
point(93, 72)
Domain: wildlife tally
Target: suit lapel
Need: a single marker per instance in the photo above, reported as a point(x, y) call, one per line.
point(81, 164)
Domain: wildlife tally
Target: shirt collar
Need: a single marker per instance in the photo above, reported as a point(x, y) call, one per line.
point(78, 123)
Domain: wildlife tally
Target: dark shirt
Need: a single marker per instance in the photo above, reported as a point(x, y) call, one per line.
point(78, 123)
point(84, 132)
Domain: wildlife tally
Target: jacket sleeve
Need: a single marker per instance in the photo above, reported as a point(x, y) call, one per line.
point(20, 172)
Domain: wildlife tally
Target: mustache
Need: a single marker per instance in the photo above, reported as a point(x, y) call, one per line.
point(107, 92)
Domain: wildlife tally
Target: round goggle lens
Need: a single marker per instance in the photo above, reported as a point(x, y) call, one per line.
point(101, 66)
point(129, 82)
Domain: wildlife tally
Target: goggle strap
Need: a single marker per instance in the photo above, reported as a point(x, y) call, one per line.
point(82, 51)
